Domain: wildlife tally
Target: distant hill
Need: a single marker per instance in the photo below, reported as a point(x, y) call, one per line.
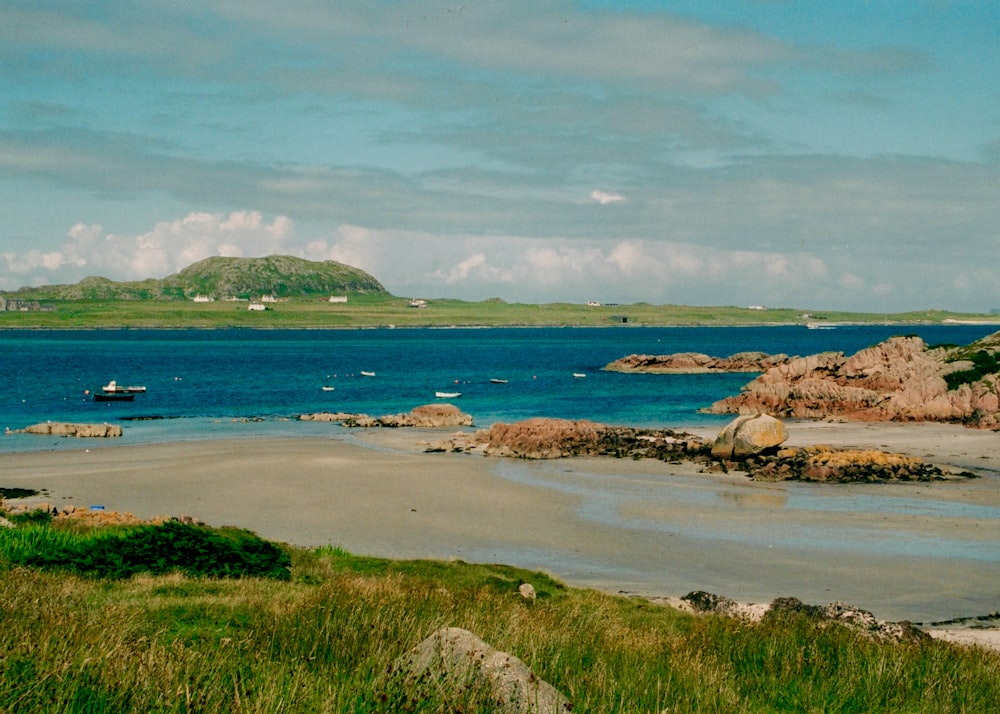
point(277, 275)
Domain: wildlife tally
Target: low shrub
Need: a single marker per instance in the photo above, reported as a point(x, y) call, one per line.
point(983, 362)
point(157, 549)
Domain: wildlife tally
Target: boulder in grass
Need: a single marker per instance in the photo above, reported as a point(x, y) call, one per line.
point(453, 660)
point(749, 435)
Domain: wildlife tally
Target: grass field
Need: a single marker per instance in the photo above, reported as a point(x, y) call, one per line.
point(324, 637)
point(383, 311)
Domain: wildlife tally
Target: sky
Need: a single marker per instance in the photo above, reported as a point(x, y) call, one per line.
point(838, 155)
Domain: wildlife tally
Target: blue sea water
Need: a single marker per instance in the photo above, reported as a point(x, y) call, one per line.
point(207, 383)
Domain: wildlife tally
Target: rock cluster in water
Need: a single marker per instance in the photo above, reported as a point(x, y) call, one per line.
point(59, 428)
point(696, 362)
point(426, 416)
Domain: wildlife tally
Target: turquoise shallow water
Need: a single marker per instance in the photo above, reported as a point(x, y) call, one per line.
point(207, 383)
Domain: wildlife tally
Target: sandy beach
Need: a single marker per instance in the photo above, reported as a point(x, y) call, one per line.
point(921, 552)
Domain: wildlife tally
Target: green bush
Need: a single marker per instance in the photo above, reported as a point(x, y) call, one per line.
point(156, 549)
point(984, 363)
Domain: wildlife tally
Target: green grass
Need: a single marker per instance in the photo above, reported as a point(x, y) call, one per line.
point(325, 640)
point(383, 310)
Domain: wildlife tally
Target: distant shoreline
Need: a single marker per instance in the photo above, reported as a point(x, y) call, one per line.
point(512, 326)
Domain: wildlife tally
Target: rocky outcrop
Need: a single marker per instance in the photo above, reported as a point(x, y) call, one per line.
point(58, 428)
point(900, 379)
point(756, 452)
point(749, 435)
point(426, 416)
point(544, 438)
point(453, 660)
point(751, 444)
point(823, 464)
point(696, 362)
point(849, 616)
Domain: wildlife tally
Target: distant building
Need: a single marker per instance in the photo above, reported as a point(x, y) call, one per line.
point(338, 298)
point(419, 304)
point(268, 298)
point(593, 303)
point(620, 319)
point(756, 307)
point(203, 298)
point(19, 305)
point(257, 307)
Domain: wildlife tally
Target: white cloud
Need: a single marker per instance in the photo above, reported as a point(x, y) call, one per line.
point(850, 281)
point(167, 248)
point(604, 198)
point(517, 268)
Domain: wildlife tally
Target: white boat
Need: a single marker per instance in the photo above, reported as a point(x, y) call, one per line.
point(113, 388)
point(327, 389)
point(367, 374)
point(447, 395)
point(817, 326)
point(498, 381)
point(579, 375)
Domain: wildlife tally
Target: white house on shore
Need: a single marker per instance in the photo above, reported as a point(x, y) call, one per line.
point(338, 298)
point(257, 306)
point(203, 298)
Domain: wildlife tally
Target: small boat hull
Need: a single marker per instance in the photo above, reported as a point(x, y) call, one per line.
point(114, 397)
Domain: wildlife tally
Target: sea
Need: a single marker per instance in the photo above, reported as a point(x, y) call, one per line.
point(236, 383)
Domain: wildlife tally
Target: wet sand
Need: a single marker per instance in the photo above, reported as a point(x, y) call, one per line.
point(921, 552)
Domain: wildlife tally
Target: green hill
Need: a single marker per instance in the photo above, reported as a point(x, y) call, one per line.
point(278, 275)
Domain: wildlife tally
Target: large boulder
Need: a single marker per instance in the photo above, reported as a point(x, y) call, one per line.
point(452, 660)
point(749, 435)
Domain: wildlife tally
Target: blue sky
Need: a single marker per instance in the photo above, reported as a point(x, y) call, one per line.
point(822, 155)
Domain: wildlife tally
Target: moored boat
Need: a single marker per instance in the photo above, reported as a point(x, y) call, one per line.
point(113, 388)
point(447, 395)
